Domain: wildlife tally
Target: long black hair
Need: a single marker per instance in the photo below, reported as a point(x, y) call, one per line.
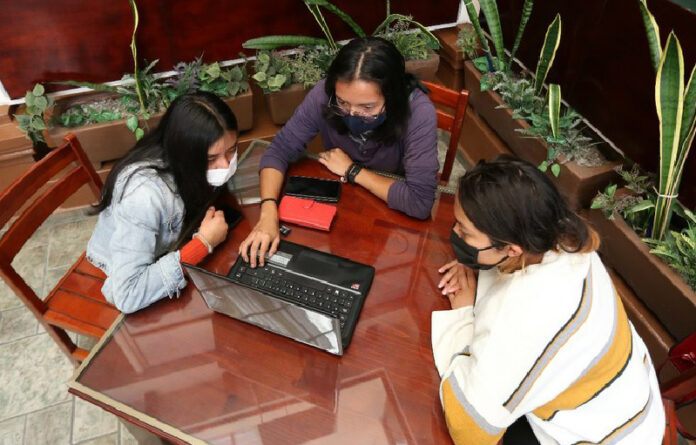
point(376, 60)
point(513, 202)
point(179, 146)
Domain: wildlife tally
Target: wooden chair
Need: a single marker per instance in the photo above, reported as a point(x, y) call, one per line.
point(457, 101)
point(676, 393)
point(76, 303)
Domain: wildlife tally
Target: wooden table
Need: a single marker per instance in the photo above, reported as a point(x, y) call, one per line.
point(191, 375)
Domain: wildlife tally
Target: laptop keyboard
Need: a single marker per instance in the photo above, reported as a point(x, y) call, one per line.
point(313, 294)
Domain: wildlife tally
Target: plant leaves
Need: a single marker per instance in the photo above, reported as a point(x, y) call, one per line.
point(139, 133)
point(554, 108)
point(669, 100)
point(473, 16)
point(132, 122)
point(490, 11)
point(277, 41)
point(526, 13)
point(548, 53)
point(652, 32)
point(556, 170)
point(342, 15)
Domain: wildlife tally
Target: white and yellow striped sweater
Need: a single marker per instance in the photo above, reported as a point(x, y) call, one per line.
point(552, 343)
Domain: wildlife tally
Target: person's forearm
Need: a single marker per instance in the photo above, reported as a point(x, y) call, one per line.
point(271, 180)
point(377, 184)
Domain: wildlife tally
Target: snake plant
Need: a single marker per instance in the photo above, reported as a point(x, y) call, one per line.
point(676, 109)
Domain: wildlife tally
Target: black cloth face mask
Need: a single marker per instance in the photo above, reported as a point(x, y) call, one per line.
point(467, 254)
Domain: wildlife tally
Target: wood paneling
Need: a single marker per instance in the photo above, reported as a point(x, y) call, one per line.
point(46, 40)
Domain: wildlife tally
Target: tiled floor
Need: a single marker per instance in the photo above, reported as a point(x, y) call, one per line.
point(35, 407)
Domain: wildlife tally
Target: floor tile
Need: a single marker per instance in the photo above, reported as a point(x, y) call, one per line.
point(68, 241)
point(53, 276)
point(8, 299)
point(12, 431)
point(111, 439)
point(17, 323)
point(91, 421)
point(30, 264)
point(50, 426)
point(33, 372)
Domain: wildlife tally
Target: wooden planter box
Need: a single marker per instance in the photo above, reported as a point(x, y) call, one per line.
point(657, 285)
point(576, 183)
point(478, 141)
point(111, 140)
point(424, 69)
point(282, 104)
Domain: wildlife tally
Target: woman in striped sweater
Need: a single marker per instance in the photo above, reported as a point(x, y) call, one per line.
point(536, 329)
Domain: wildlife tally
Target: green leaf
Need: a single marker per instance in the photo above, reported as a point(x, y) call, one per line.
point(260, 77)
point(481, 64)
point(544, 166)
point(38, 90)
point(554, 107)
point(548, 53)
point(213, 70)
point(526, 13)
point(611, 190)
point(132, 123)
point(139, 133)
point(319, 18)
point(652, 32)
point(38, 123)
point(490, 11)
point(277, 41)
point(473, 16)
point(41, 103)
point(29, 99)
point(556, 170)
point(92, 85)
point(669, 100)
point(342, 15)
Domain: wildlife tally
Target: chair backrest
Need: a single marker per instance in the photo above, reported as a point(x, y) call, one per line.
point(35, 213)
point(453, 123)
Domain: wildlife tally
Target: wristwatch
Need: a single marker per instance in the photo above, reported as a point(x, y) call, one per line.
point(351, 173)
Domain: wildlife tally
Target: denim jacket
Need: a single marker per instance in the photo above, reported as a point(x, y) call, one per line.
point(133, 238)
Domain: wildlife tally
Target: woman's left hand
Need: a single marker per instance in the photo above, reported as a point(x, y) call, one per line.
point(458, 283)
point(336, 160)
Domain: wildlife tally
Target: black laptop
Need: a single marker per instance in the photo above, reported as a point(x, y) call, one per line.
point(310, 296)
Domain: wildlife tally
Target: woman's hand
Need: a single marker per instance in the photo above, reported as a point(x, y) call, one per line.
point(336, 160)
point(213, 227)
point(458, 283)
point(263, 238)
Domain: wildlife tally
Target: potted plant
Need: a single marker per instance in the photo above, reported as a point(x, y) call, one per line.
point(514, 106)
point(115, 115)
point(286, 79)
point(418, 47)
point(638, 238)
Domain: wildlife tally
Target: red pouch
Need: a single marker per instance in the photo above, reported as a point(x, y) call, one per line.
point(306, 212)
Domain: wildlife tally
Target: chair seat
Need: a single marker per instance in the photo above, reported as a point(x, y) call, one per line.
point(76, 303)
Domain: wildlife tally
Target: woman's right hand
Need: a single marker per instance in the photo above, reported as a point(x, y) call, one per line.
point(264, 237)
point(213, 227)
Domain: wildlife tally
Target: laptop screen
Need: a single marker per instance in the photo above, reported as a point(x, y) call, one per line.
point(267, 312)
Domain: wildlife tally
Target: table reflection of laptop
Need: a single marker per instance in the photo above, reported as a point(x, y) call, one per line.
point(301, 293)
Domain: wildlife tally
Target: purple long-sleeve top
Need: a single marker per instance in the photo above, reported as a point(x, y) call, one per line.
point(414, 156)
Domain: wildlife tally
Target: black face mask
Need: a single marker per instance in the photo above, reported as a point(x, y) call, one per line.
point(468, 254)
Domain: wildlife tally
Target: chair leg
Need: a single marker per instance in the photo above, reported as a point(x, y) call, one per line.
point(670, 423)
point(65, 343)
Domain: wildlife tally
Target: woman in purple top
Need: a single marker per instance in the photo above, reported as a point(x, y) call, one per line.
point(371, 115)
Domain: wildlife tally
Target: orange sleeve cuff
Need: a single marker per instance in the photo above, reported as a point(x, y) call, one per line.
point(193, 252)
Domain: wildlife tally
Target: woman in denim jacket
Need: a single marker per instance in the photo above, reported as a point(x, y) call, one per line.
point(160, 186)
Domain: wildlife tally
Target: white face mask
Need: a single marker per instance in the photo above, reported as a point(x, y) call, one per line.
point(218, 176)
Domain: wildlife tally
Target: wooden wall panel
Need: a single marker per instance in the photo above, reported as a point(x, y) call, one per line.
point(46, 40)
